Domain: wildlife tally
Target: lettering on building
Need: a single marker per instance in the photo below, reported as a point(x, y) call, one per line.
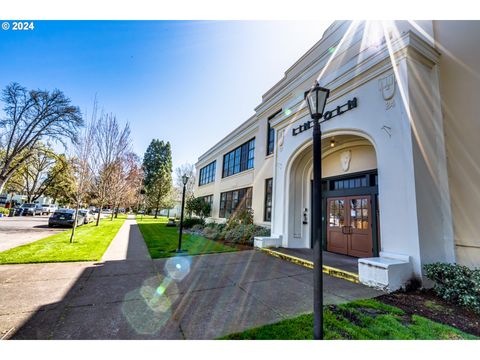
point(327, 115)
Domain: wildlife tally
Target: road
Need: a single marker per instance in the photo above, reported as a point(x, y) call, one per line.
point(20, 230)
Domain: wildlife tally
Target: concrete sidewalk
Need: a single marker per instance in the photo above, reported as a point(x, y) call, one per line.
point(197, 297)
point(128, 244)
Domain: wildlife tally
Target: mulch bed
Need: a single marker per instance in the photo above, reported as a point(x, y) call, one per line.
point(427, 304)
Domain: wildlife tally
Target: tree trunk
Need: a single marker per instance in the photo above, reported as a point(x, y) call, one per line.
point(2, 184)
point(74, 222)
point(98, 216)
point(113, 213)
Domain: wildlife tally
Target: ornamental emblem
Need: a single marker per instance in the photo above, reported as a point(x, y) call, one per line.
point(345, 158)
point(387, 86)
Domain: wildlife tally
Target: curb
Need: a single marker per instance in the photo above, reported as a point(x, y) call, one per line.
point(342, 274)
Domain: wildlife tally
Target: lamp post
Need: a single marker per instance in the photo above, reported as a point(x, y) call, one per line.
point(316, 98)
point(184, 181)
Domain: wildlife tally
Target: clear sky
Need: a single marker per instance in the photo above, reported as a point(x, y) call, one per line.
point(187, 82)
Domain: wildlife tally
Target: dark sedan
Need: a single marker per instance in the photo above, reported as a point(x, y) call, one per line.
point(65, 217)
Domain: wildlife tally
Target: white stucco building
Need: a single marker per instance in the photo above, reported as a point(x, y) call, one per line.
point(401, 165)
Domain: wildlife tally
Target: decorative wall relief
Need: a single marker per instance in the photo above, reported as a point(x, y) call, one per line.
point(387, 86)
point(345, 158)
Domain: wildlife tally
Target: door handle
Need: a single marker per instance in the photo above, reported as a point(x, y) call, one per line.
point(347, 230)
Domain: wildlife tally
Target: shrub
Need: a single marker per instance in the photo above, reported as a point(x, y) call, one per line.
point(189, 223)
point(214, 231)
point(198, 206)
point(240, 217)
point(4, 211)
point(456, 283)
point(197, 228)
point(244, 233)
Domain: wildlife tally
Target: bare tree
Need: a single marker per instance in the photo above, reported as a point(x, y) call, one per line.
point(33, 116)
point(126, 178)
point(81, 171)
point(189, 170)
point(111, 143)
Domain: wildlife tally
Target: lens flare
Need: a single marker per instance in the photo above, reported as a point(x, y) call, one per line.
point(178, 267)
point(148, 308)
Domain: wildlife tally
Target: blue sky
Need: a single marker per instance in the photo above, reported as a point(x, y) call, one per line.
point(187, 82)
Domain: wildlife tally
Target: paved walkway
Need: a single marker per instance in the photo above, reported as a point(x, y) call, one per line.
point(128, 244)
point(198, 297)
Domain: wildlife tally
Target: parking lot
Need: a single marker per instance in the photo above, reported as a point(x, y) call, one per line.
point(20, 230)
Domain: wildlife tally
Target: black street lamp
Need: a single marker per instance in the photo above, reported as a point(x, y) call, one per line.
point(316, 99)
point(184, 181)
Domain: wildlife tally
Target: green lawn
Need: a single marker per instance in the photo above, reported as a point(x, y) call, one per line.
point(359, 320)
point(162, 241)
point(89, 245)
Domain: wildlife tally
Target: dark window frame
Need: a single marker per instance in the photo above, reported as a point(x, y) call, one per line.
point(210, 201)
point(234, 200)
point(206, 174)
point(267, 215)
point(271, 134)
point(240, 159)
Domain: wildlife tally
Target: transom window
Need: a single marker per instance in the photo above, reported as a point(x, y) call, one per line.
point(239, 159)
point(207, 174)
point(235, 200)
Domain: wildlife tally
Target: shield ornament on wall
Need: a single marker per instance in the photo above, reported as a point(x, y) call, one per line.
point(386, 86)
point(345, 159)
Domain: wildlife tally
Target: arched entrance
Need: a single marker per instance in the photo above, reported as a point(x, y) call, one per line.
point(350, 196)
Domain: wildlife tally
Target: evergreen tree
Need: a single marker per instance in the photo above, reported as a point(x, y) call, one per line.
point(157, 166)
point(62, 188)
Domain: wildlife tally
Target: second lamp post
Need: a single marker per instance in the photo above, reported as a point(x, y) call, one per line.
point(184, 181)
point(316, 99)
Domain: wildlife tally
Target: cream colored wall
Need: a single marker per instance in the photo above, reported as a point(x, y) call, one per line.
point(362, 158)
point(458, 41)
point(263, 169)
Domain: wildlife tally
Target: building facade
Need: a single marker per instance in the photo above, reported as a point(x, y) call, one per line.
point(399, 181)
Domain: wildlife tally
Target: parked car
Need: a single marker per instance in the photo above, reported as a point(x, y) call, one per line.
point(65, 217)
point(48, 209)
point(30, 209)
point(88, 215)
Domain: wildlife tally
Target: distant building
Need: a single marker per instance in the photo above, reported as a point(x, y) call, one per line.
point(401, 166)
point(21, 198)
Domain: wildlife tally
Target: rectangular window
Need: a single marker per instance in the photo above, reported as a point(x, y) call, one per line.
point(271, 134)
point(207, 174)
point(239, 159)
point(209, 200)
point(267, 215)
point(270, 139)
point(232, 201)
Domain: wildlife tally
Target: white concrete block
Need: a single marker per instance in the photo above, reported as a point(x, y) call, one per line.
point(267, 241)
point(386, 273)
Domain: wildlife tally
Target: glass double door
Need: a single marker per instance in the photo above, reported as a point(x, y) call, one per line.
point(349, 227)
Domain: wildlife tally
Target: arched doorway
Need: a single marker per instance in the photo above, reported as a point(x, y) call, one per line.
point(350, 196)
